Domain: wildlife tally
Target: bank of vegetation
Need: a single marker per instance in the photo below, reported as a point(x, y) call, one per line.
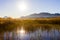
point(9, 24)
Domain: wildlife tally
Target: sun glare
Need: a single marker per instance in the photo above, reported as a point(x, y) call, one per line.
point(22, 6)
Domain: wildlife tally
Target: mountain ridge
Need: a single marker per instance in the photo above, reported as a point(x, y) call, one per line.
point(42, 15)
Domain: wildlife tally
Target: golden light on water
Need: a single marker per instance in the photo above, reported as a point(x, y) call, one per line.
point(21, 32)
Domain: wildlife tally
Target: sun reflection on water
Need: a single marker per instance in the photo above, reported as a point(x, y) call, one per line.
point(21, 32)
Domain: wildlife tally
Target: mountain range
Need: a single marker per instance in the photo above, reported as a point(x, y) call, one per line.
point(42, 15)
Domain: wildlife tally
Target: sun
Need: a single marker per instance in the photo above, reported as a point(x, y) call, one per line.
point(22, 6)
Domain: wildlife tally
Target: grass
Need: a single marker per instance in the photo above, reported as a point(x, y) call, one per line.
point(30, 24)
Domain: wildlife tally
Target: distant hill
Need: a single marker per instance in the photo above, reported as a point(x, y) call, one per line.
point(42, 15)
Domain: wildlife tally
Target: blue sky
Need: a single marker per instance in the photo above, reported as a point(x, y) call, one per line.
point(9, 7)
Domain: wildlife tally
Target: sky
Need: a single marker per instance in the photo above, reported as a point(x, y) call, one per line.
point(18, 8)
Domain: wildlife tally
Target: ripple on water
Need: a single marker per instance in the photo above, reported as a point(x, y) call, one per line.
point(38, 34)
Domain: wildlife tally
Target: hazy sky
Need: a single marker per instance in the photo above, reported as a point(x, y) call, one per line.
point(12, 7)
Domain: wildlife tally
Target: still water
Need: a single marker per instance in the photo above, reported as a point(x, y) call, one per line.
point(52, 34)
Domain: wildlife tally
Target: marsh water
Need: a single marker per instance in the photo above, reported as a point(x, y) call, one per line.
point(39, 34)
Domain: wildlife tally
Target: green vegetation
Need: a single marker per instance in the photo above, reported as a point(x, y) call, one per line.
point(9, 24)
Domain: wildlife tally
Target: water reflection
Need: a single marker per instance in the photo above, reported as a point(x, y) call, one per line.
point(53, 34)
point(21, 32)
